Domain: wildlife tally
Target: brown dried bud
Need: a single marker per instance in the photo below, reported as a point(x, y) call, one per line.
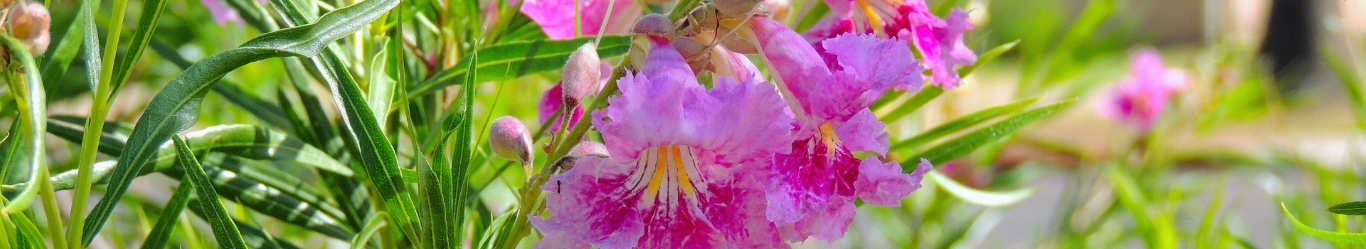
point(736, 8)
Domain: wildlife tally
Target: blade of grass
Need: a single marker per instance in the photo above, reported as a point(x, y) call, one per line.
point(161, 233)
point(224, 230)
point(1341, 238)
point(147, 25)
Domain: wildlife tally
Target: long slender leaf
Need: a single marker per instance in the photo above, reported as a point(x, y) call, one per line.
point(177, 106)
point(979, 197)
point(372, 226)
point(258, 106)
point(961, 123)
point(1347, 239)
point(967, 143)
point(1349, 208)
point(66, 48)
point(147, 25)
point(161, 233)
point(376, 154)
point(516, 59)
point(911, 105)
point(33, 107)
point(1351, 83)
point(989, 56)
point(224, 230)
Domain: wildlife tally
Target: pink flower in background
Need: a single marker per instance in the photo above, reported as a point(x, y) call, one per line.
point(685, 168)
point(814, 186)
point(1143, 94)
point(556, 17)
point(221, 13)
point(939, 40)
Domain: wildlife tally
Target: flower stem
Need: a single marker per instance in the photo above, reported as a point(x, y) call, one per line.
point(94, 124)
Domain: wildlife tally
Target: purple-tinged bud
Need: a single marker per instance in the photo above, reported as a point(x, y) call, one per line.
point(29, 23)
point(654, 25)
point(736, 8)
point(589, 148)
point(510, 139)
point(581, 75)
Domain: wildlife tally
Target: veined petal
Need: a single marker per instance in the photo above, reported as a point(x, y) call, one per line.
point(943, 49)
point(749, 121)
point(809, 178)
point(883, 184)
point(797, 64)
point(863, 132)
point(880, 64)
point(613, 222)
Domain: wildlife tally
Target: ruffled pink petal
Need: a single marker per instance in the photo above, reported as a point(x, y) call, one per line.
point(808, 179)
point(883, 184)
point(834, 220)
point(551, 102)
point(863, 132)
point(943, 49)
point(749, 121)
point(734, 65)
point(611, 221)
point(879, 63)
point(791, 57)
point(556, 17)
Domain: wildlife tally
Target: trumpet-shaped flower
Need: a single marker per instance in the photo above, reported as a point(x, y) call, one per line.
point(685, 165)
point(1142, 96)
point(814, 186)
point(939, 40)
point(556, 17)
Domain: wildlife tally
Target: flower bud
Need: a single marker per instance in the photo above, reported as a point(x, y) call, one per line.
point(654, 25)
point(589, 148)
point(511, 140)
point(29, 23)
point(694, 52)
point(736, 8)
point(581, 74)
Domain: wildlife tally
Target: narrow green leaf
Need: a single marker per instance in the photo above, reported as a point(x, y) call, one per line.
point(967, 143)
point(161, 232)
point(257, 106)
point(979, 197)
point(27, 231)
point(28, 87)
point(224, 230)
point(817, 12)
point(1341, 238)
point(919, 99)
point(515, 59)
point(252, 235)
point(381, 89)
point(376, 154)
point(147, 25)
point(372, 226)
point(961, 123)
point(176, 107)
point(1349, 208)
point(65, 49)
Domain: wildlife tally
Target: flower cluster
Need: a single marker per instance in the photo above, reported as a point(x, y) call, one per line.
point(1141, 96)
point(754, 161)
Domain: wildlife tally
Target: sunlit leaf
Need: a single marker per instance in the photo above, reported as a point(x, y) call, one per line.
point(223, 228)
point(1354, 239)
point(979, 197)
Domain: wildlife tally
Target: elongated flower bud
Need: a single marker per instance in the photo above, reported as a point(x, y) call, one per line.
point(29, 23)
point(510, 139)
point(653, 25)
point(581, 74)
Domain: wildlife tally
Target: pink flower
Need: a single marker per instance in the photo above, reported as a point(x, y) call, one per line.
point(940, 41)
point(1142, 96)
point(221, 13)
point(685, 165)
point(556, 17)
point(814, 186)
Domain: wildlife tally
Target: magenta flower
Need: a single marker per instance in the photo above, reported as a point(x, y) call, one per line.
point(556, 17)
point(813, 188)
point(940, 41)
point(685, 165)
point(1142, 96)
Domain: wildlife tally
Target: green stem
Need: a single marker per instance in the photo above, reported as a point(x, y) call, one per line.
point(99, 109)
